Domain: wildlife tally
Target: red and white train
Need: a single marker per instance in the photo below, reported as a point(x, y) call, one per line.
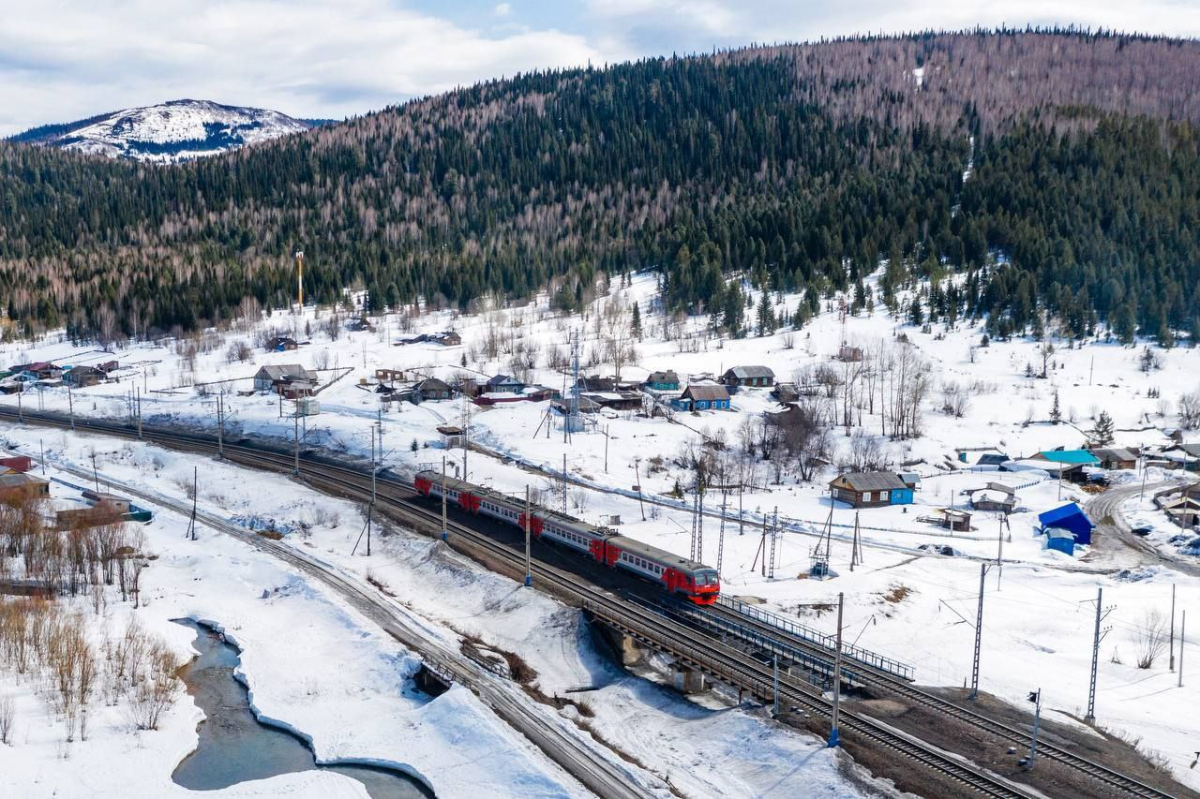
point(694, 581)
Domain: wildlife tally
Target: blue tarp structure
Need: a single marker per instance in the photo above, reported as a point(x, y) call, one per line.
point(1069, 517)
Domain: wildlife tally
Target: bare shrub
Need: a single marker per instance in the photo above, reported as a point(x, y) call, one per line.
point(1150, 637)
point(157, 692)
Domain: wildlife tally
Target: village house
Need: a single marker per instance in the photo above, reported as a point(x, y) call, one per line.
point(702, 397)
point(17, 463)
point(289, 380)
point(431, 388)
point(663, 381)
point(503, 384)
point(83, 376)
point(16, 486)
point(1182, 456)
point(995, 497)
point(1180, 503)
point(39, 370)
point(748, 377)
point(1115, 458)
point(871, 489)
point(785, 393)
point(280, 344)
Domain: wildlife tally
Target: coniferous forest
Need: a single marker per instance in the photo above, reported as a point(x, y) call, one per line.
point(1051, 171)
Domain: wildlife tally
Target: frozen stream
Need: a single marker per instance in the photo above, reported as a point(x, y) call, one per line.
point(235, 747)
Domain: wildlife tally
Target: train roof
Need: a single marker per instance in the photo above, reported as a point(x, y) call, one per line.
point(659, 555)
point(491, 493)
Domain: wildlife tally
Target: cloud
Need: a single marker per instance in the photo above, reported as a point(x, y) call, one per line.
point(73, 58)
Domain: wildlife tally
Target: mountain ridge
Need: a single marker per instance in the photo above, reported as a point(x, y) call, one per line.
point(169, 132)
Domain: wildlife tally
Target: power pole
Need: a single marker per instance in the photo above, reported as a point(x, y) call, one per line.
point(564, 481)
point(20, 405)
point(1172, 625)
point(373, 464)
point(1101, 614)
point(1000, 553)
point(834, 736)
point(854, 544)
point(606, 449)
point(195, 499)
point(220, 426)
point(741, 510)
point(300, 281)
point(71, 405)
point(721, 536)
point(1182, 627)
point(774, 543)
point(978, 636)
point(637, 474)
point(445, 530)
point(296, 441)
point(42, 447)
point(466, 434)
point(139, 415)
point(95, 474)
point(370, 518)
point(528, 560)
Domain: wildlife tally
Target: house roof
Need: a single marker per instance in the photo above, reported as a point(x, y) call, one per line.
point(1075, 457)
point(746, 372)
point(871, 481)
point(433, 384)
point(500, 380)
point(285, 371)
point(19, 480)
point(1114, 454)
point(708, 392)
point(668, 376)
point(1191, 449)
point(991, 459)
point(1052, 518)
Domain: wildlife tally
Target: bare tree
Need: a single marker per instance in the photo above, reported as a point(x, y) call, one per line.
point(1189, 410)
point(8, 716)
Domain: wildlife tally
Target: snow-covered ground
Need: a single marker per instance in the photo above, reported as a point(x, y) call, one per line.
point(902, 601)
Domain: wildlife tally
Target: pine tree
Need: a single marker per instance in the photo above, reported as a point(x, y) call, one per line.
point(636, 324)
point(1055, 409)
point(1102, 433)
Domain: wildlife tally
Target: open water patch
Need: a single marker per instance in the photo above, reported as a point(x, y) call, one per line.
point(236, 747)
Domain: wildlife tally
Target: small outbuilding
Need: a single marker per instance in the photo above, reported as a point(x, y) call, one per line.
point(16, 486)
point(871, 489)
point(452, 436)
point(280, 344)
point(1060, 540)
point(83, 376)
point(1069, 517)
point(18, 463)
point(431, 388)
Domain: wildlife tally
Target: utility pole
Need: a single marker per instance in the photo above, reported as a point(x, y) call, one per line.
point(42, 447)
point(195, 497)
point(1000, 553)
point(741, 510)
point(71, 405)
point(95, 474)
point(220, 426)
point(1182, 628)
point(854, 544)
point(1101, 614)
point(20, 406)
point(775, 684)
point(606, 449)
point(1037, 717)
point(834, 735)
point(1173, 626)
point(296, 441)
point(372, 464)
point(445, 530)
point(978, 635)
point(300, 281)
point(466, 434)
point(774, 543)
point(370, 518)
point(139, 415)
point(528, 560)
point(721, 536)
point(637, 475)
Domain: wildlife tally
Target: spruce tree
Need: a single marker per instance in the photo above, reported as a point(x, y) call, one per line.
point(1102, 433)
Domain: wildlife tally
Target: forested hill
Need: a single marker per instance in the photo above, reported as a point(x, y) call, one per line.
point(797, 167)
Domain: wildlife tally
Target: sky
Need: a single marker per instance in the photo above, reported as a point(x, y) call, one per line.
point(62, 60)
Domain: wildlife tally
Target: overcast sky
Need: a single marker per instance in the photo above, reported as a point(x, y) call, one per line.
point(62, 60)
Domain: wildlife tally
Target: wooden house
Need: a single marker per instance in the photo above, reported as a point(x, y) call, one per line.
point(871, 489)
point(749, 377)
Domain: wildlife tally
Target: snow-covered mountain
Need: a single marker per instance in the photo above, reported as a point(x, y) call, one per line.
point(179, 130)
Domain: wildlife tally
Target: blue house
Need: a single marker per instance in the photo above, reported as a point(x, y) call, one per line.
point(702, 397)
point(663, 381)
point(1069, 517)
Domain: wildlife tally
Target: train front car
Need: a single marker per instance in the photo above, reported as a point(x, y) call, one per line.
point(705, 586)
point(686, 578)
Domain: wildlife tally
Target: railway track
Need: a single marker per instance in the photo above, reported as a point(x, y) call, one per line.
point(890, 683)
point(700, 650)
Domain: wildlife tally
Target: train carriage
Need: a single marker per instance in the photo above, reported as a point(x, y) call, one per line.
point(695, 581)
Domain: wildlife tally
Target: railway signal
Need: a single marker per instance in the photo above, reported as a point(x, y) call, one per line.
point(1035, 697)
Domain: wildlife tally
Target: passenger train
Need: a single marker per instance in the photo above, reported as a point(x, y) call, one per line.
point(694, 581)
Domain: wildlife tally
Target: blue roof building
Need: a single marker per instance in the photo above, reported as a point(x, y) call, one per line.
point(1071, 457)
point(1069, 517)
point(1060, 540)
